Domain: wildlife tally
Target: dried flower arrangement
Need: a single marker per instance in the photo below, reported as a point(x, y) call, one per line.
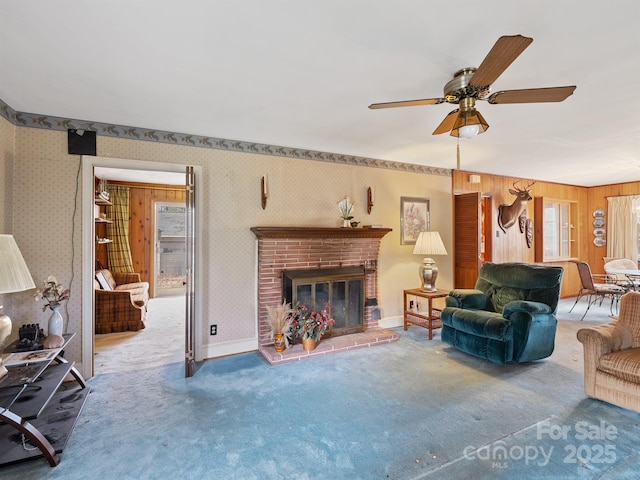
point(280, 320)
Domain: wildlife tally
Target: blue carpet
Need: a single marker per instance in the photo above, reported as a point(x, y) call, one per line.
point(411, 409)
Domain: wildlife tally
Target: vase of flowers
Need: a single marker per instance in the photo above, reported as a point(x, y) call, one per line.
point(280, 323)
point(53, 294)
point(345, 206)
point(310, 326)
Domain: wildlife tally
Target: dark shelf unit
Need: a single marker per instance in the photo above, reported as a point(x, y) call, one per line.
point(37, 410)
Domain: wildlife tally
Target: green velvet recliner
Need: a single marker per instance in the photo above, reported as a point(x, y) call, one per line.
point(509, 316)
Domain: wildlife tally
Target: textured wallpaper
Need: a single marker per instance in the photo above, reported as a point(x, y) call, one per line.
point(302, 192)
point(7, 148)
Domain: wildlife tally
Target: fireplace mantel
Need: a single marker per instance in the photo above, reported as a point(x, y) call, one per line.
point(319, 232)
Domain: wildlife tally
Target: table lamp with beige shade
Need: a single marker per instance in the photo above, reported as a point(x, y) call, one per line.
point(429, 243)
point(14, 277)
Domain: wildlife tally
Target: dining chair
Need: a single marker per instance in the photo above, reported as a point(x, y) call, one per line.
point(597, 287)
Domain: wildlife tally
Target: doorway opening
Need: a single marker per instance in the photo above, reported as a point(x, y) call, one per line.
point(159, 234)
point(172, 317)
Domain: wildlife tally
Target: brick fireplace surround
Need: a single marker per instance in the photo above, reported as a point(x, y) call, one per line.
point(302, 248)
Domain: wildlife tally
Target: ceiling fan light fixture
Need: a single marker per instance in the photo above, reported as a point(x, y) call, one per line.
point(470, 122)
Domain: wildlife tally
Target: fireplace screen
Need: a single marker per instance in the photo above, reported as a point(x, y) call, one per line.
point(342, 288)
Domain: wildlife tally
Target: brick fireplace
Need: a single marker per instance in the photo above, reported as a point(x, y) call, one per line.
point(300, 248)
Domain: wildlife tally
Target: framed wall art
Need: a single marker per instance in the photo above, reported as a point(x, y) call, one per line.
point(414, 218)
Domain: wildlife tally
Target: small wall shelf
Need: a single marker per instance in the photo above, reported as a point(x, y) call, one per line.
point(102, 201)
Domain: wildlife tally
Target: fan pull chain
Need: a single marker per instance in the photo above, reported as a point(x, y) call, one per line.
point(458, 154)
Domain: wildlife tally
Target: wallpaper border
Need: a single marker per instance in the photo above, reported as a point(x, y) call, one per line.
point(50, 122)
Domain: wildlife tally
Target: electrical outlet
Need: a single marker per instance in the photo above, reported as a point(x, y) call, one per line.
point(213, 329)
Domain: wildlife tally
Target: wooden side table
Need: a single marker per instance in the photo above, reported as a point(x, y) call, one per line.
point(429, 319)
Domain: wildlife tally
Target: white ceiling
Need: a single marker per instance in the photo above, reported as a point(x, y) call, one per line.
point(302, 74)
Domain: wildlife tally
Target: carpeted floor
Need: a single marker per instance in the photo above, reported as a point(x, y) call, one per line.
point(411, 409)
point(161, 341)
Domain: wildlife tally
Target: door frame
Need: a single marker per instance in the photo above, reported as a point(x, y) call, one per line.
point(88, 248)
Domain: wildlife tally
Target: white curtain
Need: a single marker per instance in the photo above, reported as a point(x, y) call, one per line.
point(622, 228)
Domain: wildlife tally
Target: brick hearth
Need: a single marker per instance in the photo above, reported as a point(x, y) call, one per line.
point(299, 248)
point(369, 338)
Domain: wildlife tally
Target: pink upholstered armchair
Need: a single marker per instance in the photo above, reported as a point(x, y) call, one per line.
point(612, 357)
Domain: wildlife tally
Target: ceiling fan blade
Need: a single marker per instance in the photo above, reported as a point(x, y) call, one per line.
point(407, 103)
point(503, 53)
point(532, 95)
point(447, 124)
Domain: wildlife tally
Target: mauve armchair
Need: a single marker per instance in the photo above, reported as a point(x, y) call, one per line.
point(612, 356)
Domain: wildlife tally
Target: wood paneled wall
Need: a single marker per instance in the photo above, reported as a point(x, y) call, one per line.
point(512, 246)
point(597, 198)
point(142, 198)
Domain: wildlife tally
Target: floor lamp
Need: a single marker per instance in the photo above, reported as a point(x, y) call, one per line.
point(14, 277)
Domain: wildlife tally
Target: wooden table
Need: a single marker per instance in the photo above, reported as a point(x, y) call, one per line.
point(429, 319)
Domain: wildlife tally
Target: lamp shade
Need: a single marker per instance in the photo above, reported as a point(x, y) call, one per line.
point(429, 243)
point(14, 274)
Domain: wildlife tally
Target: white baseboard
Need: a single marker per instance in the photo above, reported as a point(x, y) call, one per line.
point(215, 350)
point(229, 348)
point(391, 322)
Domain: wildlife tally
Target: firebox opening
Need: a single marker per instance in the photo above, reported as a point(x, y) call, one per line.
point(342, 288)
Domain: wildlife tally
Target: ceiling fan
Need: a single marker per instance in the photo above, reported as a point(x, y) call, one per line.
point(471, 84)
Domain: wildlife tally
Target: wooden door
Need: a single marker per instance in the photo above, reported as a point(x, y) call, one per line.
point(467, 239)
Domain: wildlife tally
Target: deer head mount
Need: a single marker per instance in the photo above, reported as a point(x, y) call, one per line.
point(509, 214)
